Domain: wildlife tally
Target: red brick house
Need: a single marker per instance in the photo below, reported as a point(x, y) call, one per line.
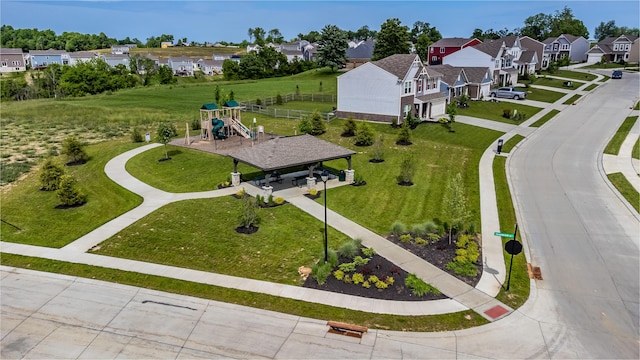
point(446, 46)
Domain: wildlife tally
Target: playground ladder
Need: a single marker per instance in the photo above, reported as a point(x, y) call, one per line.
point(243, 130)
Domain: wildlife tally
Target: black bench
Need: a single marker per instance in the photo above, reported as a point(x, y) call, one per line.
point(299, 181)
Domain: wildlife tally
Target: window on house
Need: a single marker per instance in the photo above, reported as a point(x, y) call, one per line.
point(626, 47)
point(407, 108)
point(407, 87)
point(420, 85)
point(442, 50)
point(431, 50)
point(434, 58)
point(565, 46)
point(615, 47)
point(4, 63)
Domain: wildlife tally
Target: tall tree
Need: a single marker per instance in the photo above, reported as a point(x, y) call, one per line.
point(563, 22)
point(250, 33)
point(537, 26)
point(422, 28)
point(455, 204)
point(258, 34)
point(275, 36)
point(393, 38)
point(332, 47)
point(609, 28)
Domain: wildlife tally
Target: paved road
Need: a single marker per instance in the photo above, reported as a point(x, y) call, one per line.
point(582, 236)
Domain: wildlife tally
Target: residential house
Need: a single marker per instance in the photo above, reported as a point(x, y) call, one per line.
point(388, 89)
point(453, 82)
point(359, 54)
point(12, 60)
point(81, 56)
point(253, 47)
point(479, 80)
point(120, 49)
point(309, 52)
point(634, 52)
point(42, 58)
point(570, 46)
point(114, 60)
point(611, 49)
point(446, 46)
point(291, 54)
point(492, 54)
point(530, 44)
point(181, 65)
point(210, 67)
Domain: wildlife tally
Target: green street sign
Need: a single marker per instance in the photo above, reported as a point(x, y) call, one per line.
point(497, 233)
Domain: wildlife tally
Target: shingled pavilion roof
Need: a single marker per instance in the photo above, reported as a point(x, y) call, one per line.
point(290, 151)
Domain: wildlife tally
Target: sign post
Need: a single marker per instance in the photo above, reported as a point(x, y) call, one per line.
point(512, 247)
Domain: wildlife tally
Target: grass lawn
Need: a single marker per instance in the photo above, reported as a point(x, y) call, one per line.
point(200, 234)
point(430, 323)
point(557, 83)
point(189, 170)
point(591, 87)
point(493, 111)
point(635, 153)
point(307, 106)
point(519, 286)
point(546, 117)
point(572, 99)
point(34, 212)
point(438, 154)
point(576, 75)
point(543, 95)
point(626, 189)
point(511, 143)
point(613, 147)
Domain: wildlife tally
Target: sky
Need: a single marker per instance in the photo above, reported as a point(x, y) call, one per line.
point(211, 21)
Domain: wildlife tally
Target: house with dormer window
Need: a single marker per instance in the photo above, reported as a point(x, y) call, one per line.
point(388, 89)
point(611, 49)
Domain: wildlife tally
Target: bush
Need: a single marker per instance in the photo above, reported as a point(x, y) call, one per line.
point(420, 241)
point(366, 284)
point(506, 113)
point(407, 169)
point(433, 237)
point(259, 102)
point(418, 230)
point(404, 136)
point(467, 254)
point(74, 150)
point(364, 135)
point(279, 100)
point(250, 212)
point(357, 278)
point(378, 149)
point(313, 191)
point(68, 192)
point(359, 260)
point(332, 257)
point(305, 126)
point(50, 175)
point(136, 135)
point(242, 192)
point(318, 126)
point(418, 286)
point(279, 200)
point(381, 284)
point(320, 272)
point(398, 228)
point(430, 226)
point(338, 274)
point(347, 267)
point(405, 238)
point(349, 249)
point(349, 128)
point(368, 252)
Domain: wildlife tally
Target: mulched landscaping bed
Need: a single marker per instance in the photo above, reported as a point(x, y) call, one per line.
point(440, 253)
point(378, 266)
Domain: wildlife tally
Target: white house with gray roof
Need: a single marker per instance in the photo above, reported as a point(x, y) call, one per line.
point(566, 45)
point(388, 89)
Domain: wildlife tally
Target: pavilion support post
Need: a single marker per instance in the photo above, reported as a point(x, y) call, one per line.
point(350, 176)
point(266, 192)
point(348, 162)
point(311, 182)
point(235, 178)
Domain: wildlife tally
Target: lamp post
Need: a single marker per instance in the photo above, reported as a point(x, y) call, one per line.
point(325, 176)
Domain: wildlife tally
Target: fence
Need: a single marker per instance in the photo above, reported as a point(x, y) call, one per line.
point(265, 109)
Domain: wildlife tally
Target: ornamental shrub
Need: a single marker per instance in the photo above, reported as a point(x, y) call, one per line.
point(373, 279)
point(338, 274)
point(359, 260)
point(68, 192)
point(364, 135)
point(418, 230)
point(50, 175)
point(320, 272)
point(418, 286)
point(368, 252)
point(313, 191)
point(398, 228)
point(318, 127)
point(381, 284)
point(366, 284)
point(136, 135)
point(279, 200)
point(74, 150)
point(357, 278)
point(420, 241)
point(347, 267)
point(304, 126)
point(405, 238)
point(349, 128)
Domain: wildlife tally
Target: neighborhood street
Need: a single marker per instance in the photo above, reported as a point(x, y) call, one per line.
point(575, 228)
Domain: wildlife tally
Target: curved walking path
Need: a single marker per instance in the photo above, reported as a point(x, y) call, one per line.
point(462, 296)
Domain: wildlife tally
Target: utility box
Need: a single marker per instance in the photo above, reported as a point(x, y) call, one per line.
point(342, 176)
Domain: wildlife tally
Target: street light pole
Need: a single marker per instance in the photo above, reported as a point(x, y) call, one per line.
point(325, 176)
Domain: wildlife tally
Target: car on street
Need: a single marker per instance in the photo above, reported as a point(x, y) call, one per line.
point(508, 92)
point(617, 74)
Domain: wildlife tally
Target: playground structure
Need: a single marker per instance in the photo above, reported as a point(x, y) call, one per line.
point(220, 123)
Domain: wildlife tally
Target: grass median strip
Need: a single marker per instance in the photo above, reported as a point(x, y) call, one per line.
point(626, 189)
point(546, 117)
point(613, 147)
point(430, 323)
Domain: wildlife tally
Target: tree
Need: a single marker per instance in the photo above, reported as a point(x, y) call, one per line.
point(74, 150)
point(407, 170)
point(318, 126)
point(455, 204)
point(404, 136)
point(452, 111)
point(230, 69)
point(275, 36)
point(332, 47)
point(393, 38)
point(537, 26)
point(421, 28)
point(68, 193)
point(610, 29)
point(364, 135)
point(250, 33)
point(563, 22)
point(165, 75)
point(250, 216)
point(50, 175)
point(258, 34)
point(349, 128)
point(377, 155)
point(143, 67)
point(166, 132)
point(304, 126)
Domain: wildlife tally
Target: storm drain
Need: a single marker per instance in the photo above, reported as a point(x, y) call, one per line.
point(534, 272)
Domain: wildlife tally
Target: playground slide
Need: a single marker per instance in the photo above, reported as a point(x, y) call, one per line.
point(239, 127)
point(217, 126)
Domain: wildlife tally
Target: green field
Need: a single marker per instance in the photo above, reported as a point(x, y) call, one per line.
point(493, 111)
